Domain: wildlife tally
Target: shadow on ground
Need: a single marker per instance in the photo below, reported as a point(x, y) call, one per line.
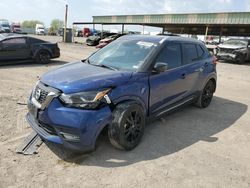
point(16, 64)
point(165, 136)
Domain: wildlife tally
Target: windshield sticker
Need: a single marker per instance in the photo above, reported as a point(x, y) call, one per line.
point(135, 67)
point(146, 44)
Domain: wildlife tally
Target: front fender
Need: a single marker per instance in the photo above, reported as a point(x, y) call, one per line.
point(137, 89)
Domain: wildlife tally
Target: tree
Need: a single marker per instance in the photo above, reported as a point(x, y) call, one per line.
point(55, 25)
point(31, 23)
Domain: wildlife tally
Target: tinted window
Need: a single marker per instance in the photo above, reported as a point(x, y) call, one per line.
point(34, 41)
point(170, 54)
point(15, 41)
point(189, 53)
point(200, 51)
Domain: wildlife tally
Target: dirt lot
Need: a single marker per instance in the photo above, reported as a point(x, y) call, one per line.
point(189, 148)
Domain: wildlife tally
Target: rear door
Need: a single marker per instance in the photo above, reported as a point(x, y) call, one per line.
point(168, 87)
point(15, 48)
point(194, 63)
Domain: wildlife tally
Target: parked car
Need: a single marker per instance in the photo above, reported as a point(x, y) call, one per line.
point(40, 30)
point(108, 40)
point(213, 49)
point(236, 50)
point(95, 39)
point(16, 28)
point(20, 48)
point(4, 24)
point(133, 79)
point(79, 33)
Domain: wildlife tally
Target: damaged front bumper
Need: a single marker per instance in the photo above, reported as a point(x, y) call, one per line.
point(75, 129)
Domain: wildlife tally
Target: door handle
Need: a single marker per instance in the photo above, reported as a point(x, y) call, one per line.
point(183, 76)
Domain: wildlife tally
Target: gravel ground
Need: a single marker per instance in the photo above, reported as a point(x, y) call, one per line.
point(189, 148)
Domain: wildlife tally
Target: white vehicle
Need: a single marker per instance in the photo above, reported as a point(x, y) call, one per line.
point(40, 29)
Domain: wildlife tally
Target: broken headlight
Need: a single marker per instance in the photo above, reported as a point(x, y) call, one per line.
point(86, 100)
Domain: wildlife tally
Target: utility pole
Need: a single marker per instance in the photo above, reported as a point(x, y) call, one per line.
point(65, 23)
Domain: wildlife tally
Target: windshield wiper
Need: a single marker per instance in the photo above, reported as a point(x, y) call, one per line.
point(101, 65)
point(105, 66)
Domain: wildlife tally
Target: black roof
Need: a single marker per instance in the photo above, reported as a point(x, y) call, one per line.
point(11, 35)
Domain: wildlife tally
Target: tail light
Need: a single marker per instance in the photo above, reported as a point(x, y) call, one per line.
point(214, 61)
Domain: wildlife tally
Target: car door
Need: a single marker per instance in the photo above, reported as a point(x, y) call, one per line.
point(168, 87)
point(194, 63)
point(14, 49)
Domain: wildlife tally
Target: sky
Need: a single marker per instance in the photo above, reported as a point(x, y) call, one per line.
point(83, 10)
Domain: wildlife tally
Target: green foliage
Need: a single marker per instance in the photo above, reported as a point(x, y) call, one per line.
point(55, 25)
point(30, 23)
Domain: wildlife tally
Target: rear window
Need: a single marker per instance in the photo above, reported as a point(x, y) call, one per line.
point(15, 41)
point(34, 41)
point(189, 53)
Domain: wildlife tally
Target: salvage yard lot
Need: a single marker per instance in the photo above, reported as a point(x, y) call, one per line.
point(189, 148)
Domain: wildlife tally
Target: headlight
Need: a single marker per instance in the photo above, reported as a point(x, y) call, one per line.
point(87, 100)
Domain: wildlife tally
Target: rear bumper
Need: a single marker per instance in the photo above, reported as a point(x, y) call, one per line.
point(56, 53)
point(56, 121)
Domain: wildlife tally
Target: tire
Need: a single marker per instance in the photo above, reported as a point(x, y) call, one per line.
point(127, 127)
point(43, 57)
point(206, 95)
point(241, 59)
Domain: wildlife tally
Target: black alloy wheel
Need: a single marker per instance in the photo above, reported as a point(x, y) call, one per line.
point(207, 94)
point(133, 127)
point(127, 127)
point(43, 57)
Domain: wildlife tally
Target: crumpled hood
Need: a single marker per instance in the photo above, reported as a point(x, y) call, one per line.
point(79, 76)
point(228, 46)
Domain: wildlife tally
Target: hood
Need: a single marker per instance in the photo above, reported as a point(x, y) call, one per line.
point(229, 46)
point(79, 76)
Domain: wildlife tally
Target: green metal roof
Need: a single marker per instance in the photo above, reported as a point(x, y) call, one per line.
point(233, 18)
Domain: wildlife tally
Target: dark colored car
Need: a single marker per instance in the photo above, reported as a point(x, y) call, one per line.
point(131, 80)
point(95, 39)
point(108, 40)
point(20, 48)
point(236, 50)
point(5, 27)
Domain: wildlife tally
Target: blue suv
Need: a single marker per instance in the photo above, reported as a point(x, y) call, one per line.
point(131, 80)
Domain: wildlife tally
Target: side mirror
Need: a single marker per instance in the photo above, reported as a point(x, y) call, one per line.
point(160, 67)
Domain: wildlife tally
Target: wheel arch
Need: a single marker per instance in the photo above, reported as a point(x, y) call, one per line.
point(38, 50)
point(134, 99)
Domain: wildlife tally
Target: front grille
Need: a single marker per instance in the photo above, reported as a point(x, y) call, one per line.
point(40, 94)
point(226, 50)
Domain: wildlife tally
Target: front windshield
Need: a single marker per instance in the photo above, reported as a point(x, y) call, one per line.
point(123, 54)
point(236, 42)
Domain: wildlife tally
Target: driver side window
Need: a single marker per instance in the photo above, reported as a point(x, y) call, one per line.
point(170, 54)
